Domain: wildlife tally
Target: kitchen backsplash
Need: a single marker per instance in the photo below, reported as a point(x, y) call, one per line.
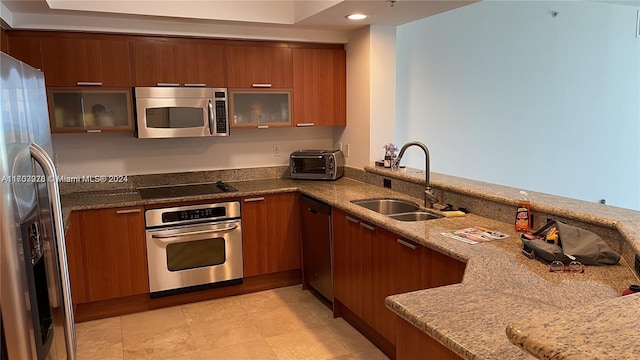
point(123, 154)
point(132, 182)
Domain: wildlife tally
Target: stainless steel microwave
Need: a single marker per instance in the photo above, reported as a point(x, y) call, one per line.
point(316, 164)
point(169, 112)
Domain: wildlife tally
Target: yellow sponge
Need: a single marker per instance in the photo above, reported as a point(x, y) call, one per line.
point(452, 213)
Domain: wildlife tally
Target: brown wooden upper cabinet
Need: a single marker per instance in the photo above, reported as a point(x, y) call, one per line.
point(177, 62)
point(4, 43)
point(202, 64)
point(25, 48)
point(153, 63)
point(80, 61)
point(319, 82)
point(259, 67)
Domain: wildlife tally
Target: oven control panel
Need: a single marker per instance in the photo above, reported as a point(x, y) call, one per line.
point(195, 214)
point(192, 214)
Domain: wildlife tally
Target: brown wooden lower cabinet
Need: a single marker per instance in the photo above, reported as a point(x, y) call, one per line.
point(74, 259)
point(270, 233)
point(107, 254)
point(414, 344)
point(372, 263)
point(348, 261)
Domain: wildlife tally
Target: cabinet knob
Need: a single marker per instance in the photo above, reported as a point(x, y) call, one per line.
point(305, 124)
point(261, 85)
point(195, 85)
point(254, 199)
point(263, 126)
point(168, 84)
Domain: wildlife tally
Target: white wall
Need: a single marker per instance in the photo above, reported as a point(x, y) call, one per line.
point(383, 89)
point(356, 134)
point(123, 154)
point(371, 80)
point(503, 92)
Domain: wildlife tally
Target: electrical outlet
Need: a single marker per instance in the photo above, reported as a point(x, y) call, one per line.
point(276, 150)
point(636, 265)
point(340, 146)
point(387, 183)
point(638, 24)
point(347, 150)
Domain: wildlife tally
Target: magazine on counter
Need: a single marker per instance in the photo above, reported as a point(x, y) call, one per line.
point(475, 235)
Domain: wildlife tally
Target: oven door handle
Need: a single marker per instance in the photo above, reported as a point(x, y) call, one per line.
point(197, 232)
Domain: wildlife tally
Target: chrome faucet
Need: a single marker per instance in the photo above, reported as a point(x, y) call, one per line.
point(429, 196)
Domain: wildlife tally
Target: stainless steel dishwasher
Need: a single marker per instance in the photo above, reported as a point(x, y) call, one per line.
point(317, 246)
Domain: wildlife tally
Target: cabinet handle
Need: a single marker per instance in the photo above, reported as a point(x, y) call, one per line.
point(355, 221)
point(254, 199)
point(94, 131)
point(261, 85)
point(129, 211)
point(263, 126)
point(168, 84)
point(407, 244)
point(195, 85)
point(366, 226)
point(89, 83)
point(306, 124)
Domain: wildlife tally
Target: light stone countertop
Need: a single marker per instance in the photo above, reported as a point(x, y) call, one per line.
point(501, 288)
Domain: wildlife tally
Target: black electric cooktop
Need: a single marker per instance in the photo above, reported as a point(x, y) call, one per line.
point(172, 191)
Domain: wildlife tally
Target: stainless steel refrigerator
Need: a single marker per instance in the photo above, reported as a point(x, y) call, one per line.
point(35, 299)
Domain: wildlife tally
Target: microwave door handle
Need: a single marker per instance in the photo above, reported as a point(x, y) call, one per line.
point(210, 117)
point(42, 158)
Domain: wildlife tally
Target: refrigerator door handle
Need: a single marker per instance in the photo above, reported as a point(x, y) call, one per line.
point(41, 156)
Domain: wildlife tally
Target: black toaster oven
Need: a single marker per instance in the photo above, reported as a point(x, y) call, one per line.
point(316, 164)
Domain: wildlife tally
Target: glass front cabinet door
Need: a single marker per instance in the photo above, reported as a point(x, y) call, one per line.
point(89, 110)
point(260, 108)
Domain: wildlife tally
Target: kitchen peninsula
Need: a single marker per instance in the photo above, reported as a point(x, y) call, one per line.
point(501, 288)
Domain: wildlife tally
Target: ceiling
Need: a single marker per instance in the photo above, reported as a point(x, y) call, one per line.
point(308, 20)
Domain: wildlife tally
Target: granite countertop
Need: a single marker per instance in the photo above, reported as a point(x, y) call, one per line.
point(501, 288)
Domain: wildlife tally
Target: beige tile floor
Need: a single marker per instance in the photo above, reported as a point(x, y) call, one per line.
point(280, 324)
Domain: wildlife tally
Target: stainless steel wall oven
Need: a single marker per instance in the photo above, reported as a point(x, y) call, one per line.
point(192, 247)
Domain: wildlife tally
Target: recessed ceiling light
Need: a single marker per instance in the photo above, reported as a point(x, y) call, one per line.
point(357, 16)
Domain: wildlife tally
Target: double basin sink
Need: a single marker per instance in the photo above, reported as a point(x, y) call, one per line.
point(397, 209)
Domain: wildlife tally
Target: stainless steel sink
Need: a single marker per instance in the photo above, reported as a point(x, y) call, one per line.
point(414, 216)
point(397, 209)
point(388, 206)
